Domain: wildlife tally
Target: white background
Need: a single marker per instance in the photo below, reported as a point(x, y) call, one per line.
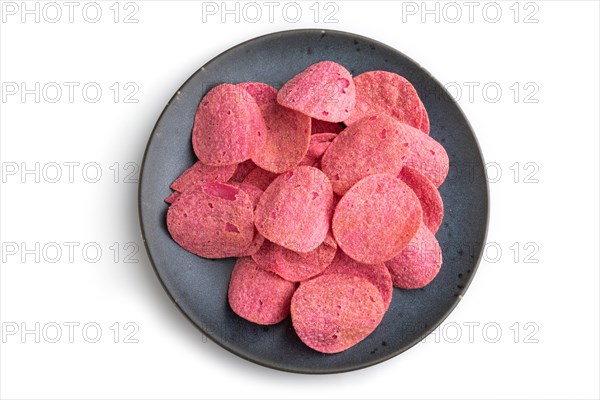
point(540, 318)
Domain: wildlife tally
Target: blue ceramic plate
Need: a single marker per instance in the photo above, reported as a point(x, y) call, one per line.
point(199, 286)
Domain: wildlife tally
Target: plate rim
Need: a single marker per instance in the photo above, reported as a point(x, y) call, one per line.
point(337, 370)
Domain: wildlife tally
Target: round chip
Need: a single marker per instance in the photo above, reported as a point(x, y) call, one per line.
point(257, 242)
point(257, 295)
point(376, 219)
point(295, 210)
point(260, 178)
point(251, 190)
point(199, 173)
point(254, 193)
point(294, 266)
point(318, 126)
point(288, 131)
point(418, 263)
point(212, 220)
point(377, 274)
point(324, 91)
point(332, 313)
point(228, 129)
point(427, 156)
point(260, 93)
point(431, 201)
point(372, 145)
point(319, 142)
point(382, 92)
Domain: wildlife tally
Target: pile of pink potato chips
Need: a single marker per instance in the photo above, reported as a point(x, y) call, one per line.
point(326, 191)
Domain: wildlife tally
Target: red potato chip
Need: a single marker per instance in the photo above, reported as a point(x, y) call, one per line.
point(427, 156)
point(295, 210)
point(172, 197)
point(212, 220)
point(257, 295)
point(257, 242)
point(310, 162)
point(332, 313)
point(228, 129)
point(321, 138)
point(316, 150)
point(376, 219)
point(288, 131)
point(251, 190)
point(377, 274)
point(372, 145)
point(293, 266)
point(318, 126)
point(325, 91)
point(424, 127)
point(260, 93)
point(319, 142)
point(199, 173)
point(418, 263)
point(260, 178)
point(267, 257)
point(431, 201)
point(314, 154)
point(242, 171)
point(254, 193)
point(382, 92)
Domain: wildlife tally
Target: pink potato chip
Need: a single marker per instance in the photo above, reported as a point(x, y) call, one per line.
point(418, 263)
point(319, 142)
point(372, 145)
point(324, 91)
point(254, 193)
point(332, 313)
point(431, 201)
point(427, 156)
point(424, 127)
point(382, 92)
point(260, 178)
point(251, 190)
point(212, 220)
point(293, 266)
point(257, 295)
point(260, 93)
point(199, 173)
point(318, 126)
point(242, 170)
point(288, 131)
point(377, 274)
point(295, 210)
point(256, 244)
point(172, 197)
point(228, 128)
point(376, 219)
